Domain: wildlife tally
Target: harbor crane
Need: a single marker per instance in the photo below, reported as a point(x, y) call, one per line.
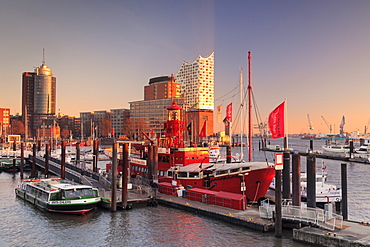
point(310, 125)
point(329, 126)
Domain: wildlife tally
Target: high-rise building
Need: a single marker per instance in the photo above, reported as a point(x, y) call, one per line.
point(38, 98)
point(197, 83)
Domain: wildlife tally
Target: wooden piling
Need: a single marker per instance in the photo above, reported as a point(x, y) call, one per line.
point(278, 207)
point(46, 170)
point(228, 154)
point(114, 177)
point(14, 160)
point(34, 152)
point(296, 179)
point(63, 161)
point(286, 175)
point(22, 160)
point(311, 181)
point(96, 155)
point(150, 163)
point(125, 167)
point(155, 164)
point(344, 191)
point(78, 154)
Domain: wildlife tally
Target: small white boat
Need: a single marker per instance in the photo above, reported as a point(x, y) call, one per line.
point(335, 148)
point(324, 192)
point(215, 155)
point(364, 149)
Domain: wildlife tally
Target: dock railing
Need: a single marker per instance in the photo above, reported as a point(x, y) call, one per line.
point(312, 216)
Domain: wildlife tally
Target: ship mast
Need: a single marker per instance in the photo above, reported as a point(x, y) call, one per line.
point(250, 148)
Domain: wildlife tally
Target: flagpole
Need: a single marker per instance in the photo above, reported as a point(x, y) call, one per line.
point(286, 122)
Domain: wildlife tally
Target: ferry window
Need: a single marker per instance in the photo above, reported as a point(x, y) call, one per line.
point(84, 192)
point(221, 172)
point(246, 168)
point(193, 175)
point(182, 175)
point(234, 170)
point(56, 196)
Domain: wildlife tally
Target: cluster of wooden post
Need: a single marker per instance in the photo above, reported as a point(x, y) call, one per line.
point(282, 185)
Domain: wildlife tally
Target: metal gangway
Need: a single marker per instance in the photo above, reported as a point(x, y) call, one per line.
point(74, 173)
point(325, 219)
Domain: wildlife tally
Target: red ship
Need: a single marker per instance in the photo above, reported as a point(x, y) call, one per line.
point(179, 166)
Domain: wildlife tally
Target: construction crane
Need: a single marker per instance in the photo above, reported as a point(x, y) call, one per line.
point(341, 127)
point(329, 126)
point(310, 126)
point(367, 126)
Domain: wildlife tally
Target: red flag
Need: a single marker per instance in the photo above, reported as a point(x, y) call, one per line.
point(276, 122)
point(229, 112)
point(203, 132)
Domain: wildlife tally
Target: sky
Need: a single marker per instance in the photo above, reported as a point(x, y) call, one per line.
point(313, 53)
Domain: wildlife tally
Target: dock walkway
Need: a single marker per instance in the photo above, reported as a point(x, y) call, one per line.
point(248, 218)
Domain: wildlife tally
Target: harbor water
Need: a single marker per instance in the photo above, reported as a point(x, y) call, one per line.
point(24, 225)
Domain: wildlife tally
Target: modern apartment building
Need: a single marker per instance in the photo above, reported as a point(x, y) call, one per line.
point(38, 98)
point(196, 79)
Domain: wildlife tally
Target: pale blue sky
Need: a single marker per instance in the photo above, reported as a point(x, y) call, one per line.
point(314, 53)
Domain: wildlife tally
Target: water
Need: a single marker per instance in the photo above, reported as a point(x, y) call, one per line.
point(24, 225)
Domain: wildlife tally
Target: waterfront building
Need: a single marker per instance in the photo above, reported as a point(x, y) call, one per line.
point(196, 80)
point(162, 87)
point(149, 115)
point(71, 124)
point(4, 122)
point(103, 123)
point(197, 88)
point(38, 98)
point(118, 118)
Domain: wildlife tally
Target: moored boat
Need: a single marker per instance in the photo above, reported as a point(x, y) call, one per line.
point(335, 148)
point(191, 167)
point(325, 193)
point(57, 195)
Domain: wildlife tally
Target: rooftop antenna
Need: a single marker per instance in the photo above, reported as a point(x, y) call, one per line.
point(43, 55)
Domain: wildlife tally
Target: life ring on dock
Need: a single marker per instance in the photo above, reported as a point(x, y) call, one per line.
point(35, 180)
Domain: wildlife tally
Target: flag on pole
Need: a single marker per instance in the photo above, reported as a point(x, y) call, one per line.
point(219, 114)
point(276, 122)
point(229, 112)
point(203, 132)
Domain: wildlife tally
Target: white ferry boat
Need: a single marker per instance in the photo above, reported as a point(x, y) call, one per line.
point(57, 195)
